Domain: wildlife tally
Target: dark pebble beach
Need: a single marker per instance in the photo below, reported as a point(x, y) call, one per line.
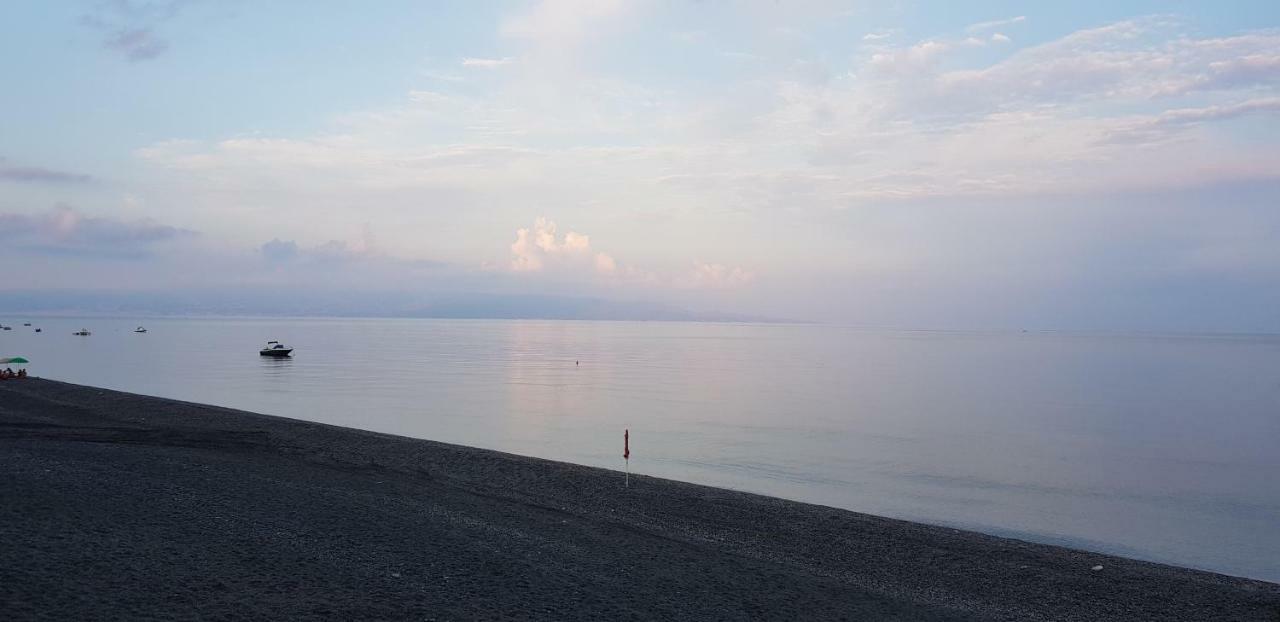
point(116, 506)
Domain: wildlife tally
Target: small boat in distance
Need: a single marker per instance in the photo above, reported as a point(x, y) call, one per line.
point(7, 327)
point(275, 348)
point(139, 330)
point(83, 332)
point(39, 330)
point(26, 324)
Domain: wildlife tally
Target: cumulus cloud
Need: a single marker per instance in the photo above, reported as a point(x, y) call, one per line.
point(64, 230)
point(278, 250)
point(36, 174)
point(542, 249)
point(539, 246)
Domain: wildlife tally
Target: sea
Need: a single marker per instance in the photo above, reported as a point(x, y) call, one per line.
point(1163, 447)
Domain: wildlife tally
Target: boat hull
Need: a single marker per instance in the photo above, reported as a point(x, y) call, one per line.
point(276, 353)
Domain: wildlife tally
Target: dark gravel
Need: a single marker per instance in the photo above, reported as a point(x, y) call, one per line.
point(119, 506)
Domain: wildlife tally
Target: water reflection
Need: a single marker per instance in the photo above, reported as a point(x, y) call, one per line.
point(1157, 446)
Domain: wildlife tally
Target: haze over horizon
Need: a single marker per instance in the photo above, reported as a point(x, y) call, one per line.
point(1093, 166)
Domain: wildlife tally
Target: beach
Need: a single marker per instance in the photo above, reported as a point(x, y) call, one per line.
point(116, 505)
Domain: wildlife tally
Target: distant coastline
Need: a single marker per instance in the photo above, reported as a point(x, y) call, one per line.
point(271, 303)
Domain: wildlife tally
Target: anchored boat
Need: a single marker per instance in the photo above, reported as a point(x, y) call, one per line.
point(275, 348)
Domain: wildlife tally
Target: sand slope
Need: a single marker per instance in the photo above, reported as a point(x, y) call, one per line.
point(122, 506)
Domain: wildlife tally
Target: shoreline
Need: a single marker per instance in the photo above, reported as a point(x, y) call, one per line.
point(121, 505)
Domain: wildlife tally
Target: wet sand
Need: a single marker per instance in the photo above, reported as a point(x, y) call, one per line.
point(119, 506)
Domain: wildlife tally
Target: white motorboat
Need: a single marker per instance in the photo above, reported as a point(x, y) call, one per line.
point(275, 348)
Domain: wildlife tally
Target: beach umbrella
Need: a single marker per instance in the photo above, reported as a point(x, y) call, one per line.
point(16, 360)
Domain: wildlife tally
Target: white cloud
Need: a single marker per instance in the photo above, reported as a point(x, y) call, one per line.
point(1000, 38)
point(541, 249)
point(562, 23)
point(487, 63)
point(1161, 126)
point(903, 126)
point(981, 26)
point(634, 162)
point(536, 247)
point(716, 276)
point(909, 59)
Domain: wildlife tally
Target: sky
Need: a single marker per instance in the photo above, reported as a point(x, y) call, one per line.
point(1087, 165)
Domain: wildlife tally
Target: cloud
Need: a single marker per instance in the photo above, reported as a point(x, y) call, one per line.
point(65, 231)
point(563, 24)
point(136, 44)
point(278, 250)
point(981, 26)
point(535, 248)
point(129, 27)
point(285, 251)
point(1254, 69)
point(1131, 60)
point(1185, 116)
point(35, 174)
point(715, 276)
point(665, 173)
point(1171, 121)
point(487, 63)
point(1000, 38)
point(541, 249)
point(1045, 119)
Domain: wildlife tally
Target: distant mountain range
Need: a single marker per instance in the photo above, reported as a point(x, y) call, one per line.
point(362, 304)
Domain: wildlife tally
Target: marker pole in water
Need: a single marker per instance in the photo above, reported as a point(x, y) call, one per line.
point(626, 454)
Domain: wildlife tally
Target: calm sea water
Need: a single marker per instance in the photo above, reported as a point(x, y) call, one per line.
point(1159, 447)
